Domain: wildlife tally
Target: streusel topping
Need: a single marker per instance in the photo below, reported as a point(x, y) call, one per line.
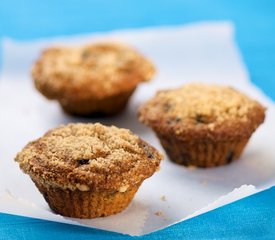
point(202, 107)
point(100, 70)
point(89, 156)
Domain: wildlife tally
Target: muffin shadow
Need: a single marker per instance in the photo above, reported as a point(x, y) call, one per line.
point(245, 171)
point(124, 119)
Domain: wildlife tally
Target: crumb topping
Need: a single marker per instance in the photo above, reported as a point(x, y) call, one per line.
point(205, 109)
point(99, 70)
point(89, 156)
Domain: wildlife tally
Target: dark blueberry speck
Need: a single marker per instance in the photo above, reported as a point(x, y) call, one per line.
point(201, 119)
point(166, 107)
point(83, 161)
point(173, 121)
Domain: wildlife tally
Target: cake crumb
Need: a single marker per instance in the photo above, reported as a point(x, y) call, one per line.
point(163, 198)
point(159, 213)
point(191, 167)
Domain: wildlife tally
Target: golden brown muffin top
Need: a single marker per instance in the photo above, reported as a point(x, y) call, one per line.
point(201, 111)
point(96, 70)
point(89, 157)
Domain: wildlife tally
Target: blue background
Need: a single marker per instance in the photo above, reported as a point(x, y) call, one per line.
point(250, 218)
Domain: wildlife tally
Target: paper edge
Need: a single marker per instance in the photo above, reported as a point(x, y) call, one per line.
point(216, 204)
point(226, 24)
point(243, 192)
point(166, 27)
point(59, 218)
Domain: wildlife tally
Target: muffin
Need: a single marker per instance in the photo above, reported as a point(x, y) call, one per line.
point(202, 125)
point(88, 170)
point(96, 79)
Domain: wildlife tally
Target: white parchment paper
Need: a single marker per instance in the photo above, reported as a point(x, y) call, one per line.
point(204, 52)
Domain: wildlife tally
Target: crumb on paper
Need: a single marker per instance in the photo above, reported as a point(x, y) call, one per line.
point(191, 167)
point(163, 198)
point(159, 213)
point(204, 182)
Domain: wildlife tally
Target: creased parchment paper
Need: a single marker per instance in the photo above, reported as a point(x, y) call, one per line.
point(204, 52)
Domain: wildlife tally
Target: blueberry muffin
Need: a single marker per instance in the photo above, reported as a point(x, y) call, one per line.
point(96, 79)
point(202, 125)
point(88, 170)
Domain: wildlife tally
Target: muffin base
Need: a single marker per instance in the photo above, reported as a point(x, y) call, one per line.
point(86, 204)
point(96, 107)
point(202, 154)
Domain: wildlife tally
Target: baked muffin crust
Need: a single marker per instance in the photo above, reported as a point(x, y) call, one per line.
point(99, 70)
point(89, 157)
point(202, 112)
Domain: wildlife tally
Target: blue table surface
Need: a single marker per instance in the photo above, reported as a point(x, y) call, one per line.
point(249, 218)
